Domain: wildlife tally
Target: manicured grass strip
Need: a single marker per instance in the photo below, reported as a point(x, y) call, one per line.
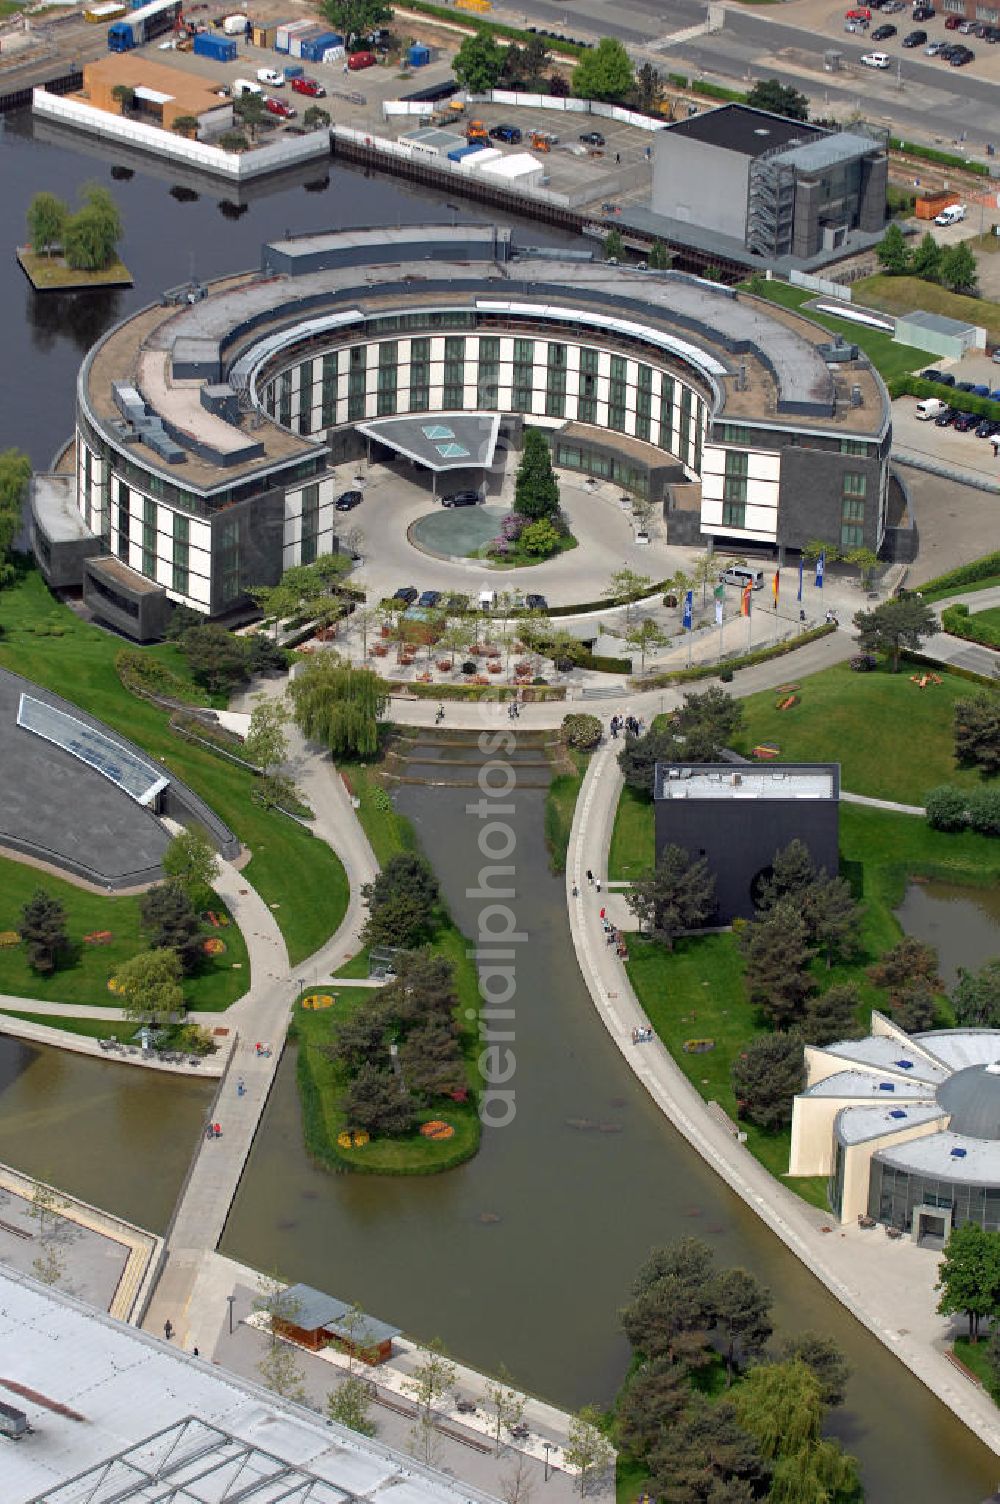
point(632, 839)
point(560, 807)
point(93, 1028)
point(973, 1355)
point(981, 574)
point(293, 871)
point(388, 832)
point(889, 358)
point(902, 294)
point(83, 976)
point(892, 739)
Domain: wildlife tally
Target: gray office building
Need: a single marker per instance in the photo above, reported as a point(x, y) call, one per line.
point(781, 188)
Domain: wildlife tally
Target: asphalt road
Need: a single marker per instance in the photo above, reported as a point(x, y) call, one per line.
point(934, 103)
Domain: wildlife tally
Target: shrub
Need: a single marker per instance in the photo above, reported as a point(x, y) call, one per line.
point(984, 812)
point(581, 731)
point(947, 808)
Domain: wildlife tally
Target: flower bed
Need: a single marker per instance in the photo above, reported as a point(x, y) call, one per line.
point(213, 946)
point(437, 1129)
point(317, 1001)
point(9, 938)
point(355, 1138)
point(96, 937)
point(698, 1046)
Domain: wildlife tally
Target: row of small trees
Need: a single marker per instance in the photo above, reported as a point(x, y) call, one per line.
point(953, 266)
point(87, 238)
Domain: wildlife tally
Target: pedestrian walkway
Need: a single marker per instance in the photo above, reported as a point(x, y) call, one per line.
point(888, 1287)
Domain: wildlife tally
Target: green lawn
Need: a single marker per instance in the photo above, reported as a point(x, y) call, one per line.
point(903, 294)
point(988, 618)
point(892, 739)
point(83, 976)
point(387, 831)
point(297, 874)
point(973, 1355)
point(632, 838)
point(890, 359)
point(93, 1028)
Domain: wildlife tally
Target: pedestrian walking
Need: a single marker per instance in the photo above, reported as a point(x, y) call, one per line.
point(241, 1087)
point(590, 877)
point(603, 913)
point(217, 1130)
point(618, 159)
point(597, 885)
point(996, 447)
point(195, 1353)
point(440, 715)
point(168, 1329)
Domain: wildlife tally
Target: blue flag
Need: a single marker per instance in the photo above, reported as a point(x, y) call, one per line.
point(820, 570)
point(688, 609)
point(799, 595)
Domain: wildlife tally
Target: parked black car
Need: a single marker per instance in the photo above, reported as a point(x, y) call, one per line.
point(915, 39)
point(923, 13)
point(461, 499)
point(986, 428)
point(429, 598)
point(592, 138)
point(348, 500)
point(945, 419)
point(931, 375)
point(509, 133)
point(405, 593)
point(959, 60)
point(945, 378)
point(965, 421)
point(536, 602)
point(883, 33)
point(965, 386)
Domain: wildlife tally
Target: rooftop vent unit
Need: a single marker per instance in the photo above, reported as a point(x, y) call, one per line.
point(886, 1086)
point(838, 351)
point(148, 427)
point(13, 1423)
point(741, 377)
point(220, 399)
point(959, 1153)
point(857, 399)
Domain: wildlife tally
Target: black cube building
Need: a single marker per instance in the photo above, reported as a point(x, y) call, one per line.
point(738, 816)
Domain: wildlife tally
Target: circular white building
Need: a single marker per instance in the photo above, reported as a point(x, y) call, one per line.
point(907, 1127)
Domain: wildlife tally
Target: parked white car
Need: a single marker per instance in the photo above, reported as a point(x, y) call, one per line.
point(271, 78)
point(953, 215)
point(877, 60)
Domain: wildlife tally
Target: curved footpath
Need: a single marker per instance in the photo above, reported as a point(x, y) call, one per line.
point(887, 1286)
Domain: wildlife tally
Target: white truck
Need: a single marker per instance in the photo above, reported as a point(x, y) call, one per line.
point(235, 26)
point(241, 86)
point(953, 215)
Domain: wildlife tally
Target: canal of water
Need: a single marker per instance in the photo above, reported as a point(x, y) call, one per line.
point(524, 1255)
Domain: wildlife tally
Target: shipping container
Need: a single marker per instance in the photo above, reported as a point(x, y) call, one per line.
point(481, 159)
point(263, 34)
point(929, 205)
point(293, 70)
point(460, 153)
point(285, 32)
point(302, 39)
point(315, 47)
point(221, 49)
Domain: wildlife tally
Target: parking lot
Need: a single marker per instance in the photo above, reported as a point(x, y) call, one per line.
point(965, 451)
point(830, 20)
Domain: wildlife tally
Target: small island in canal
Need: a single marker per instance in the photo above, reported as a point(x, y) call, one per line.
point(71, 252)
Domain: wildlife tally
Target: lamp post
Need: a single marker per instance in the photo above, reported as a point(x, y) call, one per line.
point(232, 1301)
point(548, 1447)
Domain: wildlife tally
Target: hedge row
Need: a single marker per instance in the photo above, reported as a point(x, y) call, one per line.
point(967, 574)
point(951, 809)
point(959, 623)
point(726, 668)
point(406, 688)
point(492, 28)
point(931, 154)
point(966, 402)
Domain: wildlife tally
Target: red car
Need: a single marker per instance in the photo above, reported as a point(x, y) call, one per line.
point(280, 108)
point(952, 23)
point(310, 86)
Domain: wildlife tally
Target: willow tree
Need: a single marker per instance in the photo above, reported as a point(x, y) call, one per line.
point(339, 705)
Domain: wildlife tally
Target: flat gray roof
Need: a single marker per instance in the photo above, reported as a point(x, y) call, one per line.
point(863, 1084)
point(936, 323)
point(828, 151)
point(312, 1310)
point(447, 441)
point(855, 1125)
point(119, 1415)
point(977, 1160)
point(54, 502)
point(879, 1052)
point(409, 237)
point(746, 781)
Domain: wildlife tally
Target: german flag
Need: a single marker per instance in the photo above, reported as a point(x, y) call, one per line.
point(745, 599)
point(775, 585)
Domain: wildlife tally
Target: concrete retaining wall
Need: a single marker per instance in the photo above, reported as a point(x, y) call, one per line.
point(238, 167)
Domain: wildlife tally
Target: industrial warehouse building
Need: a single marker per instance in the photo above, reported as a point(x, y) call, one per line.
point(780, 188)
point(906, 1127)
point(206, 424)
